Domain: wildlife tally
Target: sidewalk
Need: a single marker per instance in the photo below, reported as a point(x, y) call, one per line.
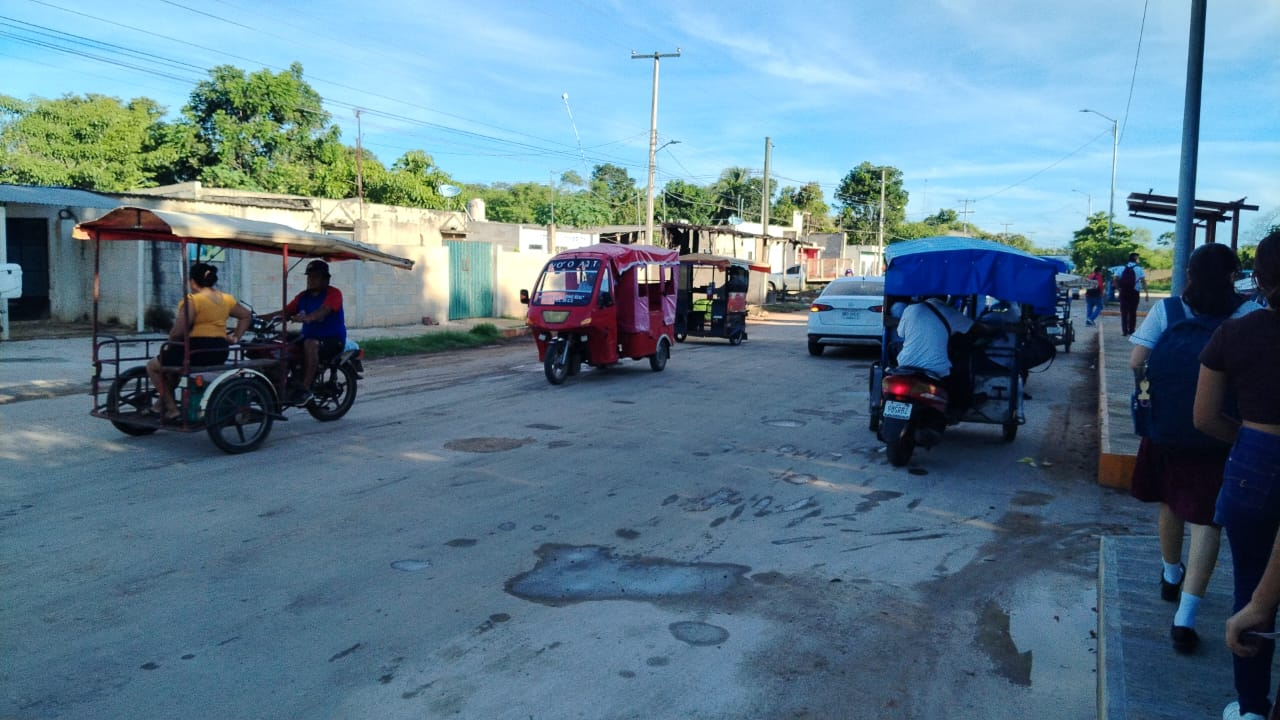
point(56, 360)
point(1117, 445)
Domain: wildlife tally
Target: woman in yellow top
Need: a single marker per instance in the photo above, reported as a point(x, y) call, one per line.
point(203, 324)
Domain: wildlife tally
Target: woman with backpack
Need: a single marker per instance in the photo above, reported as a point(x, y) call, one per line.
point(1177, 466)
point(1242, 360)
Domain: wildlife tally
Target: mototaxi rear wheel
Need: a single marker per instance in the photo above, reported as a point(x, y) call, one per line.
point(130, 396)
point(658, 360)
point(240, 413)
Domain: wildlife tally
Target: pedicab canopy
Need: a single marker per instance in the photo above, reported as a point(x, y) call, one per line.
point(967, 266)
point(137, 223)
point(635, 296)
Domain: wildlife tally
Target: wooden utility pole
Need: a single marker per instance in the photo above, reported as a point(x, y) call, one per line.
point(880, 231)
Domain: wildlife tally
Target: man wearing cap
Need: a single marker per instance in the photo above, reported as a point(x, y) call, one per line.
point(324, 327)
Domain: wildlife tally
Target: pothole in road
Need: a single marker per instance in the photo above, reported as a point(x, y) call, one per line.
point(568, 574)
point(484, 445)
point(698, 633)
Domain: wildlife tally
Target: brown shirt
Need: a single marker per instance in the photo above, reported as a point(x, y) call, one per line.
point(1247, 349)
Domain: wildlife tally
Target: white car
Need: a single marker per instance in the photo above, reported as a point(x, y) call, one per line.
point(848, 312)
point(789, 281)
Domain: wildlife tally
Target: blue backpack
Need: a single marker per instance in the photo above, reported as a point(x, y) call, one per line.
point(1173, 369)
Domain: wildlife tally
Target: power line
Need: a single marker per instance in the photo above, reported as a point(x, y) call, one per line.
point(1133, 79)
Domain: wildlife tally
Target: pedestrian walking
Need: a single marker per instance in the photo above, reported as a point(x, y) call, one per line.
point(1093, 295)
point(1129, 283)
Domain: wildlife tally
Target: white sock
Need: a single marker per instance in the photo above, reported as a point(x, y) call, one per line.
point(1172, 572)
point(1186, 615)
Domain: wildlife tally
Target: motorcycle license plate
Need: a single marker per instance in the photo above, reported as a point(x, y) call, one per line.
point(897, 410)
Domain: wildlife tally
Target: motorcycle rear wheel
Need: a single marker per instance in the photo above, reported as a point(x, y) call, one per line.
point(899, 451)
point(334, 391)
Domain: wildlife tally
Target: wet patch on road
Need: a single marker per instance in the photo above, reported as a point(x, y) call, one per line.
point(542, 426)
point(698, 633)
point(461, 542)
point(567, 574)
point(997, 643)
point(1027, 498)
point(484, 445)
point(873, 499)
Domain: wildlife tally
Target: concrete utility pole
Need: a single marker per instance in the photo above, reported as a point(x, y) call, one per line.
point(653, 136)
point(1115, 146)
point(880, 231)
point(359, 169)
point(966, 217)
point(764, 194)
point(1184, 239)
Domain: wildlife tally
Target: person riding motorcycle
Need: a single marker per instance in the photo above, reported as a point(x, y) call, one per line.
point(926, 329)
point(324, 329)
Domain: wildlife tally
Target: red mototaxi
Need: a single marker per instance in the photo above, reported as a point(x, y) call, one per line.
point(601, 303)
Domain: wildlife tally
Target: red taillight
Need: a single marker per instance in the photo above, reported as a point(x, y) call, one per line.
point(876, 308)
point(820, 307)
point(899, 385)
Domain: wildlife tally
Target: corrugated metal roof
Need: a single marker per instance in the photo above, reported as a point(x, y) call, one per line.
point(61, 197)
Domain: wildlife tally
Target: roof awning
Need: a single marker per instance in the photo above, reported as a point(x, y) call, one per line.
point(137, 223)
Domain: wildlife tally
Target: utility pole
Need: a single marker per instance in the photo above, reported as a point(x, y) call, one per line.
point(1184, 238)
point(966, 216)
point(1115, 147)
point(653, 136)
point(359, 169)
point(880, 232)
point(764, 194)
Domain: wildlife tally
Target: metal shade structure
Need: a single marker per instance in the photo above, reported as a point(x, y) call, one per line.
point(137, 223)
point(1206, 213)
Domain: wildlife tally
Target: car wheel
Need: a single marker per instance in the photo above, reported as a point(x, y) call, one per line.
point(815, 348)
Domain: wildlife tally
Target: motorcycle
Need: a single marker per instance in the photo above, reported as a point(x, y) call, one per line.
point(334, 387)
point(911, 407)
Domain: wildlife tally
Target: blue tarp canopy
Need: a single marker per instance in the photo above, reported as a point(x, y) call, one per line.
point(967, 266)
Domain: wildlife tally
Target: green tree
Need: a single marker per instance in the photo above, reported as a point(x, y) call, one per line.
point(859, 198)
point(945, 217)
point(263, 131)
point(688, 202)
point(1090, 245)
point(614, 186)
point(519, 203)
point(578, 210)
point(414, 180)
point(91, 142)
point(737, 192)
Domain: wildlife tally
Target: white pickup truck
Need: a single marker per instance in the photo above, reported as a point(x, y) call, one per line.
point(790, 280)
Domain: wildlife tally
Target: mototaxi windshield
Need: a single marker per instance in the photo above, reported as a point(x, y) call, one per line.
point(569, 282)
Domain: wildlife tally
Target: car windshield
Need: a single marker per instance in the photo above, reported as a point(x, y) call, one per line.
point(851, 288)
point(567, 282)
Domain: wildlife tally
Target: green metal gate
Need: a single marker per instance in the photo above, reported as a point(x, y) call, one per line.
point(470, 279)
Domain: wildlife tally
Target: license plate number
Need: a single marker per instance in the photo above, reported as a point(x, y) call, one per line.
point(897, 410)
point(850, 314)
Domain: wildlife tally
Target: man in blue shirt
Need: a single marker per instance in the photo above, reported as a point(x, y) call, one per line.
point(324, 327)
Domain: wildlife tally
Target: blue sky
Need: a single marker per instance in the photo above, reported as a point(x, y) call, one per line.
point(974, 100)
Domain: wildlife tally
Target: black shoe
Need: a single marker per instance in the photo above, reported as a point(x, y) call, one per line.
point(1172, 592)
point(1185, 639)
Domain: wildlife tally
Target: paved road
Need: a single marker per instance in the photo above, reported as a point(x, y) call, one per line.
point(720, 540)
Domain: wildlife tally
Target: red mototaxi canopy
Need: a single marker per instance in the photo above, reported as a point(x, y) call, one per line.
point(721, 262)
point(626, 257)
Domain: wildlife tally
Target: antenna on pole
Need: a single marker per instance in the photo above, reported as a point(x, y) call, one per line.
point(565, 98)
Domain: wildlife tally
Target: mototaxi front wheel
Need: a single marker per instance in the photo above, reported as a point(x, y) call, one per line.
point(554, 365)
point(239, 415)
point(130, 396)
point(333, 392)
point(1009, 430)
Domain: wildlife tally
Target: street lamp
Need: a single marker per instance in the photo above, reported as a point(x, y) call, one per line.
point(1115, 144)
point(1089, 197)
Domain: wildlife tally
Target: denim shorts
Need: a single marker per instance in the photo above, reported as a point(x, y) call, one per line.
point(1251, 480)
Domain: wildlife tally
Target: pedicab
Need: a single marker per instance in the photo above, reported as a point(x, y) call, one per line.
point(1008, 290)
point(235, 402)
point(712, 297)
point(598, 304)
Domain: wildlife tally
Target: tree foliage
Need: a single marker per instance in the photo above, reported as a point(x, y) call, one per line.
point(1091, 247)
point(91, 142)
point(859, 198)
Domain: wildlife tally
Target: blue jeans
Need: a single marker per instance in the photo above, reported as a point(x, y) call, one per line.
point(1249, 510)
point(1094, 307)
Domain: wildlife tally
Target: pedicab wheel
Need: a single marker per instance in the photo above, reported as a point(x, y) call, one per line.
point(1068, 337)
point(1009, 430)
point(815, 348)
point(239, 416)
point(555, 368)
point(334, 393)
point(681, 337)
point(658, 360)
point(130, 396)
point(899, 451)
